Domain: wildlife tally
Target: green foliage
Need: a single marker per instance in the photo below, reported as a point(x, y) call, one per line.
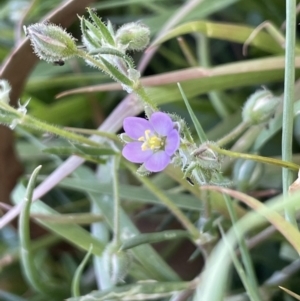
point(167, 235)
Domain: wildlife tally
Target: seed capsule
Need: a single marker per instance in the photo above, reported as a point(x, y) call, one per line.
point(50, 42)
point(260, 107)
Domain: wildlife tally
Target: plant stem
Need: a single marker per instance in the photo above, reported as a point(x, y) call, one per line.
point(267, 160)
point(140, 91)
point(204, 60)
point(45, 127)
point(31, 273)
point(238, 267)
point(137, 87)
point(166, 201)
point(287, 118)
point(31, 122)
point(236, 132)
point(246, 258)
point(115, 169)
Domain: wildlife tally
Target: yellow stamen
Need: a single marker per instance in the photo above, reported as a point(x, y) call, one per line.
point(151, 141)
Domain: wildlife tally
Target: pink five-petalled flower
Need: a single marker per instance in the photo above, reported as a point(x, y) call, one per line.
point(154, 141)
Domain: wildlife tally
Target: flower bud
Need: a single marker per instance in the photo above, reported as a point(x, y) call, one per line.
point(133, 36)
point(260, 107)
point(246, 174)
point(117, 263)
point(50, 42)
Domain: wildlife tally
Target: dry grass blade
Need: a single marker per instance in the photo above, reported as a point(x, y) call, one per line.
point(285, 228)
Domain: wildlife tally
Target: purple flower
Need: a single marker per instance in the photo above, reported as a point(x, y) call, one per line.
point(154, 141)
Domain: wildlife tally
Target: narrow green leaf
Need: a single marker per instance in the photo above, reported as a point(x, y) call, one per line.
point(27, 257)
point(130, 192)
point(62, 150)
point(78, 273)
point(112, 51)
point(218, 264)
point(150, 238)
point(290, 232)
point(155, 266)
point(94, 151)
point(119, 76)
point(225, 31)
point(74, 234)
point(75, 218)
point(139, 291)
point(198, 127)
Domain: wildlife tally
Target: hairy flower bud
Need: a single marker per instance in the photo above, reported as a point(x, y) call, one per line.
point(260, 107)
point(246, 174)
point(50, 42)
point(133, 36)
point(117, 263)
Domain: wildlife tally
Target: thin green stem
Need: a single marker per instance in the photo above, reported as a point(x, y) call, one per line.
point(287, 120)
point(166, 201)
point(84, 55)
point(239, 268)
point(31, 122)
point(137, 87)
point(204, 60)
point(235, 133)
point(187, 52)
point(41, 243)
point(27, 257)
point(246, 258)
point(117, 230)
point(78, 273)
point(266, 160)
point(42, 126)
point(141, 92)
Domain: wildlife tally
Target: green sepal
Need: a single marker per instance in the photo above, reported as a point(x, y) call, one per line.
point(125, 138)
point(87, 39)
point(142, 171)
point(107, 36)
point(94, 30)
point(110, 28)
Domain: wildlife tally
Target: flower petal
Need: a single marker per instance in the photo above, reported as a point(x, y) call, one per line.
point(157, 162)
point(133, 152)
point(135, 127)
point(172, 142)
point(161, 123)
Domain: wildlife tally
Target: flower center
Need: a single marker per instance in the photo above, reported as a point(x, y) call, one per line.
point(151, 141)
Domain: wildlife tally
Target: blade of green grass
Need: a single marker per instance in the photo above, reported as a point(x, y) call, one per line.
point(74, 234)
point(225, 31)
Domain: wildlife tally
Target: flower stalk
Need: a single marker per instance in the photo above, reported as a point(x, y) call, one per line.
point(235, 133)
point(266, 160)
point(167, 202)
point(16, 117)
point(287, 120)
